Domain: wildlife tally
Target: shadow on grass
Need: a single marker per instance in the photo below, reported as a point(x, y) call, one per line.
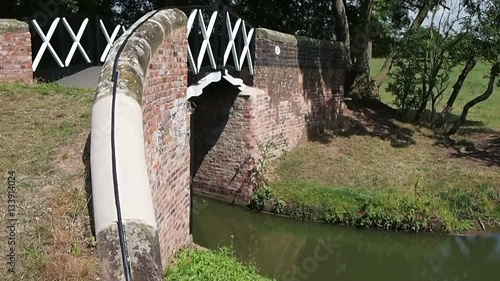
point(376, 119)
point(88, 183)
point(486, 152)
point(372, 121)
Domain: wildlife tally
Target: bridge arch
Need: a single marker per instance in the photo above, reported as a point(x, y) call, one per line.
point(142, 131)
point(140, 152)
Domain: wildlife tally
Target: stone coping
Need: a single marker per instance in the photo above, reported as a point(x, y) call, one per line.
point(264, 33)
point(12, 25)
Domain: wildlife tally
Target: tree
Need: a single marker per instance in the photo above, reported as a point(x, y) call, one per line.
point(426, 58)
point(467, 53)
point(484, 26)
point(424, 7)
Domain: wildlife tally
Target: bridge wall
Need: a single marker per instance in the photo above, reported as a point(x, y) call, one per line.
point(152, 152)
point(166, 137)
point(303, 80)
point(224, 143)
point(15, 51)
point(298, 94)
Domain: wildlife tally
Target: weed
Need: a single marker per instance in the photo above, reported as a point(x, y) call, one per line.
point(261, 197)
point(279, 207)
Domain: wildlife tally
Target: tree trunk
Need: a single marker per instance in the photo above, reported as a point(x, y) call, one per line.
point(417, 22)
point(358, 80)
point(470, 64)
point(495, 70)
point(362, 63)
point(342, 29)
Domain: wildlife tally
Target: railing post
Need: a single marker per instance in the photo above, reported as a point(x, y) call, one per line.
point(222, 40)
point(97, 48)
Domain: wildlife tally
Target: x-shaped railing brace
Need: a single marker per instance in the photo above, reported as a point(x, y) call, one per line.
point(46, 43)
point(231, 46)
point(76, 41)
point(109, 39)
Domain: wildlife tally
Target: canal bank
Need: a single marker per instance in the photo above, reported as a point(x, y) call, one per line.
point(288, 249)
point(362, 180)
point(450, 211)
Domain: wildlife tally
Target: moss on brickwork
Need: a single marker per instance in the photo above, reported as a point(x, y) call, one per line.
point(12, 25)
point(143, 250)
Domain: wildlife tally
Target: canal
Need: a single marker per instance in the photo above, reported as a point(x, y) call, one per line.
point(288, 249)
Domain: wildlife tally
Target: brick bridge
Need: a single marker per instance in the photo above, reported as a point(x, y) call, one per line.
point(170, 119)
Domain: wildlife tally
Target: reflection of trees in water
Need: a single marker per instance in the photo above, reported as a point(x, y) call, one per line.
point(278, 245)
point(467, 258)
point(445, 258)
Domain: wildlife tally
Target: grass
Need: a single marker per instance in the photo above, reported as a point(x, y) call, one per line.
point(200, 264)
point(363, 181)
point(42, 135)
point(361, 178)
point(474, 85)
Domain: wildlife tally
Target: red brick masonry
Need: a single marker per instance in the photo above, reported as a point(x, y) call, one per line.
point(15, 51)
point(299, 90)
point(166, 140)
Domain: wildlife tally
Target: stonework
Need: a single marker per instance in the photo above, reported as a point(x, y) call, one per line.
point(15, 52)
point(151, 65)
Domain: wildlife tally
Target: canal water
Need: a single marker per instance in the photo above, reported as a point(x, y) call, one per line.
point(288, 249)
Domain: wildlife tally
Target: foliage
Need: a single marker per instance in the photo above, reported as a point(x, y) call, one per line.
point(262, 196)
point(279, 206)
point(408, 73)
point(482, 25)
point(422, 71)
point(199, 264)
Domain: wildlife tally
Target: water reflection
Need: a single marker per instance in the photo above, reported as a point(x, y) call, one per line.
point(294, 250)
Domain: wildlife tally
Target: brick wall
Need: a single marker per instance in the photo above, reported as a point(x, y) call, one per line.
point(223, 143)
point(304, 86)
point(297, 95)
point(15, 51)
point(166, 139)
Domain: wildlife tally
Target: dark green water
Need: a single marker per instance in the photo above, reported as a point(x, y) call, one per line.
point(293, 250)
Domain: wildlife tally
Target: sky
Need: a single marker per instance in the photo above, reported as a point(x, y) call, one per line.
point(452, 13)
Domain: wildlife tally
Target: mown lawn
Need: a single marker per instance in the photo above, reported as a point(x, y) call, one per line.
point(362, 177)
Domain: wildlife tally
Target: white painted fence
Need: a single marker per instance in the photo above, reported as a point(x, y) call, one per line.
point(240, 27)
point(46, 37)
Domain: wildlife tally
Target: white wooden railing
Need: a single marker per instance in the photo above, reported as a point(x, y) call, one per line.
point(46, 44)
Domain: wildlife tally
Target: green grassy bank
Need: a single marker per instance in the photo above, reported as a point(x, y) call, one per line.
point(200, 264)
point(362, 180)
point(42, 136)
